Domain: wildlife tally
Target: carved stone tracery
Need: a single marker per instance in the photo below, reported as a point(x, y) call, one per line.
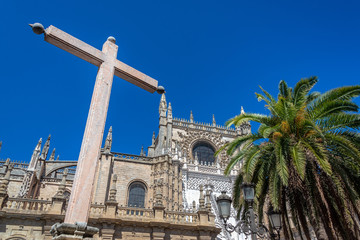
point(191, 137)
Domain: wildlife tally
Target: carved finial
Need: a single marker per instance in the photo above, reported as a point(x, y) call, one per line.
point(57, 159)
point(208, 202)
point(242, 110)
point(45, 150)
point(191, 117)
point(35, 155)
point(213, 121)
point(194, 206)
point(52, 156)
point(142, 153)
point(108, 141)
point(202, 199)
point(65, 173)
point(169, 116)
point(196, 158)
point(37, 148)
point(153, 139)
point(112, 193)
point(7, 162)
point(162, 106)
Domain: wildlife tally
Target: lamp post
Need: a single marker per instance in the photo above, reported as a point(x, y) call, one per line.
point(275, 221)
point(248, 226)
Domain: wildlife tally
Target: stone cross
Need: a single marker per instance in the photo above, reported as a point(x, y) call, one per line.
point(81, 194)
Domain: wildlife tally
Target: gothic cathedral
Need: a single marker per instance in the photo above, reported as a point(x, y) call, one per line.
point(167, 193)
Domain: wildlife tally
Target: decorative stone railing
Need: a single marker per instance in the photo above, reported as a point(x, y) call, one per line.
point(57, 206)
point(97, 210)
point(181, 217)
point(17, 164)
point(130, 157)
point(145, 214)
point(135, 212)
point(23, 205)
point(205, 126)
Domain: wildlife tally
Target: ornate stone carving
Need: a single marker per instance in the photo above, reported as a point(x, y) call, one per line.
point(194, 183)
point(192, 136)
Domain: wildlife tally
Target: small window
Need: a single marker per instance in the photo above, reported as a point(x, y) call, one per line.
point(136, 195)
point(204, 151)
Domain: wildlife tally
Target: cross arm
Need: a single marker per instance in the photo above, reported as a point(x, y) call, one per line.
point(135, 77)
point(90, 54)
point(74, 46)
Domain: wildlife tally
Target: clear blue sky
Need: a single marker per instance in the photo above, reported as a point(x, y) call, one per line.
point(211, 56)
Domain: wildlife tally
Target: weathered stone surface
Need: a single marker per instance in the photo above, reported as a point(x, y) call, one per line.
point(64, 231)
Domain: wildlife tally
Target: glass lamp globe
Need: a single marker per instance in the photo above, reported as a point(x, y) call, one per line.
point(224, 204)
point(275, 219)
point(248, 191)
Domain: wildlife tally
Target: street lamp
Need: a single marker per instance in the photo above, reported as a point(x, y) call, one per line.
point(275, 221)
point(224, 204)
point(250, 225)
point(248, 191)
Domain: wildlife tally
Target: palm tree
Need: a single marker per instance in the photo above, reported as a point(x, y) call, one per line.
point(304, 160)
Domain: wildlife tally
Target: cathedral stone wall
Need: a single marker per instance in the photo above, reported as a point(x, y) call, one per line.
point(22, 229)
point(49, 189)
point(129, 172)
point(14, 187)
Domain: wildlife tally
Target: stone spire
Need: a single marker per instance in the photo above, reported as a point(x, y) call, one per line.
point(191, 117)
point(213, 121)
point(108, 142)
point(242, 110)
point(112, 192)
point(169, 128)
point(169, 114)
point(151, 149)
point(45, 150)
point(161, 144)
point(35, 156)
point(142, 153)
point(52, 156)
point(57, 158)
point(162, 106)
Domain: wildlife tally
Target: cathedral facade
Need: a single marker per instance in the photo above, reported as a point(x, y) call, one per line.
point(167, 193)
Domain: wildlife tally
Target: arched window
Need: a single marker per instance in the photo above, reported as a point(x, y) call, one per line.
point(204, 152)
point(137, 195)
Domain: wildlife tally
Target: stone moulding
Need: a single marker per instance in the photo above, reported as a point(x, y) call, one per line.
point(72, 231)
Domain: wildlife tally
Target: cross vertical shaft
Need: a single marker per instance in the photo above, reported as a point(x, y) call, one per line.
point(80, 199)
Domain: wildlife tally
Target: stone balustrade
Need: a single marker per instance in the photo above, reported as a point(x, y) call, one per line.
point(181, 217)
point(135, 212)
point(23, 205)
point(17, 164)
point(184, 123)
point(38, 207)
point(132, 157)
